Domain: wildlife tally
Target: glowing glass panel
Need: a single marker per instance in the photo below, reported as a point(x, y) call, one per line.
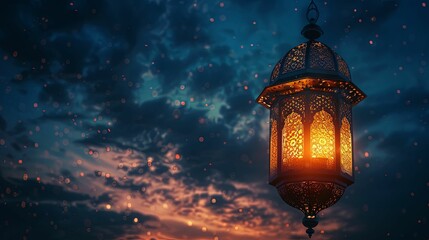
point(322, 140)
point(346, 147)
point(293, 140)
point(273, 149)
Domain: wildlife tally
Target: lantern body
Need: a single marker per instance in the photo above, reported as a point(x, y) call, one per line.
point(311, 147)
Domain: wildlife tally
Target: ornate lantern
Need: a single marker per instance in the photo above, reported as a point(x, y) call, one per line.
point(311, 147)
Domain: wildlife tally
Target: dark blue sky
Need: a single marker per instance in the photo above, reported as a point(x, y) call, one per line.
point(137, 119)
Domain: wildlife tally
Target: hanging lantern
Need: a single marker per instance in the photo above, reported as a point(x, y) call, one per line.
point(311, 147)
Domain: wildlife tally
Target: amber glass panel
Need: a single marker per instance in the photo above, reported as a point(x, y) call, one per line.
point(322, 140)
point(273, 149)
point(293, 141)
point(346, 147)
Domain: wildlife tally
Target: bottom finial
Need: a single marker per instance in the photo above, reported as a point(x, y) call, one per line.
point(310, 222)
point(310, 232)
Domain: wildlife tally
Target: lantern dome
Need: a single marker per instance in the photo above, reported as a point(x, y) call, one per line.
point(310, 59)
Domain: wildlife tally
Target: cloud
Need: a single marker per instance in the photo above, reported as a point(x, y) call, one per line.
point(187, 26)
point(209, 79)
point(32, 209)
point(54, 93)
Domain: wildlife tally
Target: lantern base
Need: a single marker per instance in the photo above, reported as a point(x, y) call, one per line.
point(310, 197)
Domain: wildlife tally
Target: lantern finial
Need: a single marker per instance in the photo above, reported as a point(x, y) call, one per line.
point(310, 222)
point(312, 30)
point(312, 12)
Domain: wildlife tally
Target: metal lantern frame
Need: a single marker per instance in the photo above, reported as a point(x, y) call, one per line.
point(311, 137)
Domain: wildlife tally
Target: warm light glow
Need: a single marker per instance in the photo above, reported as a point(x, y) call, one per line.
point(346, 147)
point(293, 140)
point(273, 149)
point(323, 140)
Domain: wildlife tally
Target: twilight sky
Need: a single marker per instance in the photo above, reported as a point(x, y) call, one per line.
point(137, 119)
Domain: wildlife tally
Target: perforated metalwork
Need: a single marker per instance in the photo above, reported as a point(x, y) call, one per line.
point(345, 111)
point(320, 102)
point(342, 66)
point(322, 138)
point(349, 91)
point(275, 111)
point(293, 141)
point(293, 104)
point(295, 59)
point(276, 71)
point(309, 196)
point(346, 147)
point(273, 149)
point(321, 57)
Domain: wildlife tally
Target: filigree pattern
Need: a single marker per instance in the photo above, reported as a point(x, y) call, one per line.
point(273, 149)
point(309, 196)
point(322, 138)
point(342, 66)
point(275, 111)
point(293, 141)
point(294, 104)
point(295, 59)
point(345, 111)
point(276, 71)
point(346, 147)
point(312, 55)
point(320, 102)
point(321, 57)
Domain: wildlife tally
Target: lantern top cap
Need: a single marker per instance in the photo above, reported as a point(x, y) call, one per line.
point(312, 31)
point(310, 59)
